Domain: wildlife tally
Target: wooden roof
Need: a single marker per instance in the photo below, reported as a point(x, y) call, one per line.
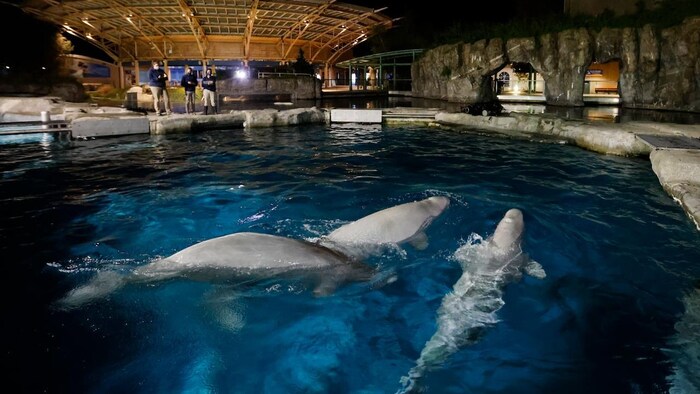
point(128, 30)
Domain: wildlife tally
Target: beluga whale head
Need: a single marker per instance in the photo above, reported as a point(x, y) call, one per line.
point(509, 231)
point(503, 248)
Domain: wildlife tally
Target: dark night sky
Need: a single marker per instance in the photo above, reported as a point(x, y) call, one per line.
point(443, 13)
point(420, 22)
point(26, 41)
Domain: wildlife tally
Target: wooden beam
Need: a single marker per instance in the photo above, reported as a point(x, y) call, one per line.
point(306, 22)
point(196, 28)
point(129, 15)
point(156, 26)
point(249, 29)
point(351, 43)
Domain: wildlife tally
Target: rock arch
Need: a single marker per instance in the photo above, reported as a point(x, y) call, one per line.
point(658, 67)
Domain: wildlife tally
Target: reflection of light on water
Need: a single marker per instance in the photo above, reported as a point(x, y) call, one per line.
point(355, 128)
point(356, 133)
point(524, 108)
point(360, 140)
point(603, 113)
point(201, 371)
point(45, 139)
point(685, 348)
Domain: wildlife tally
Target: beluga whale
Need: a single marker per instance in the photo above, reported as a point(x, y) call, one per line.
point(404, 223)
point(470, 307)
point(249, 257)
point(238, 257)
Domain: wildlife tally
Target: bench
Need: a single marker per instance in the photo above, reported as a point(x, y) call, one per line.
point(606, 90)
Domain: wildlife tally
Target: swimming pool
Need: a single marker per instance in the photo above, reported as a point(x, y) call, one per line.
point(620, 256)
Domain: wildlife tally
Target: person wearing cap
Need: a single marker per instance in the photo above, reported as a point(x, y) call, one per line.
point(189, 82)
point(156, 80)
point(209, 91)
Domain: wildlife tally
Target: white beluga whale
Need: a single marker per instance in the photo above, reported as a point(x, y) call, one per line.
point(404, 223)
point(249, 257)
point(233, 258)
point(471, 306)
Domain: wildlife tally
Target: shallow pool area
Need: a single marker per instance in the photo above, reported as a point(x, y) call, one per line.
point(616, 312)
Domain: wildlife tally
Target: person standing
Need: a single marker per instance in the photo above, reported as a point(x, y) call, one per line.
point(209, 91)
point(189, 82)
point(156, 80)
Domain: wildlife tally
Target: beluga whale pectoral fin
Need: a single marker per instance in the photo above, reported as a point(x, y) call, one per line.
point(419, 241)
point(325, 287)
point(534, 269)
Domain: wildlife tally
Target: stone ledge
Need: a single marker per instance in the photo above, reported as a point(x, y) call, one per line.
point(237, 119)
point(91, 126)
point(679, 173)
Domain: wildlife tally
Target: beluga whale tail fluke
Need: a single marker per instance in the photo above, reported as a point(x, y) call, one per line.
point(100, 286)
point(404, 223)
point(470, 308)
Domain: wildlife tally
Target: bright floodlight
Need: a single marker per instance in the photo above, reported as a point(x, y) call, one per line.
point(241, 74)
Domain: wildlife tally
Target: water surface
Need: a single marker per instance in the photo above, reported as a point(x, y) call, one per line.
point(621, 259)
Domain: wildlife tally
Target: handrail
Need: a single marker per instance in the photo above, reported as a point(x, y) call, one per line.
point(380, 58)
point(267, 74)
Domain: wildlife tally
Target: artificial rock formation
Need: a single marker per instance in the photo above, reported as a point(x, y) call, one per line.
point(286, 87)
point(68, 90)
point(659, 69)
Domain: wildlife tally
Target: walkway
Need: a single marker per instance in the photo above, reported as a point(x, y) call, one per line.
point(13, 128)
point(670, 141)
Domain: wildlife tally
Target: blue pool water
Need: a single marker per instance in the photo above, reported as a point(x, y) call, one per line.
point(612, 314)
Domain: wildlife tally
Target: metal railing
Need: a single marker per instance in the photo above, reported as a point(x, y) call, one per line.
point(536, 87)
point(531, 87)
point(401, 84)
point(267, 74)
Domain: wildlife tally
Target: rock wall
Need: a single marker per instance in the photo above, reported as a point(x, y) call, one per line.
point(72, 91)
point(659, 69)
point(299, 87)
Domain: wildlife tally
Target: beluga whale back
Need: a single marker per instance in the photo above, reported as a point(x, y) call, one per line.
point(470, 308)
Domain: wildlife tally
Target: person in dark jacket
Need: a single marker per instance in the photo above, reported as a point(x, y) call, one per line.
point(156, 80)
point(189, 82)
point(209, 91)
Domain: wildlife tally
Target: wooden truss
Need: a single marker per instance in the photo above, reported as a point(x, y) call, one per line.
point(269, 30)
